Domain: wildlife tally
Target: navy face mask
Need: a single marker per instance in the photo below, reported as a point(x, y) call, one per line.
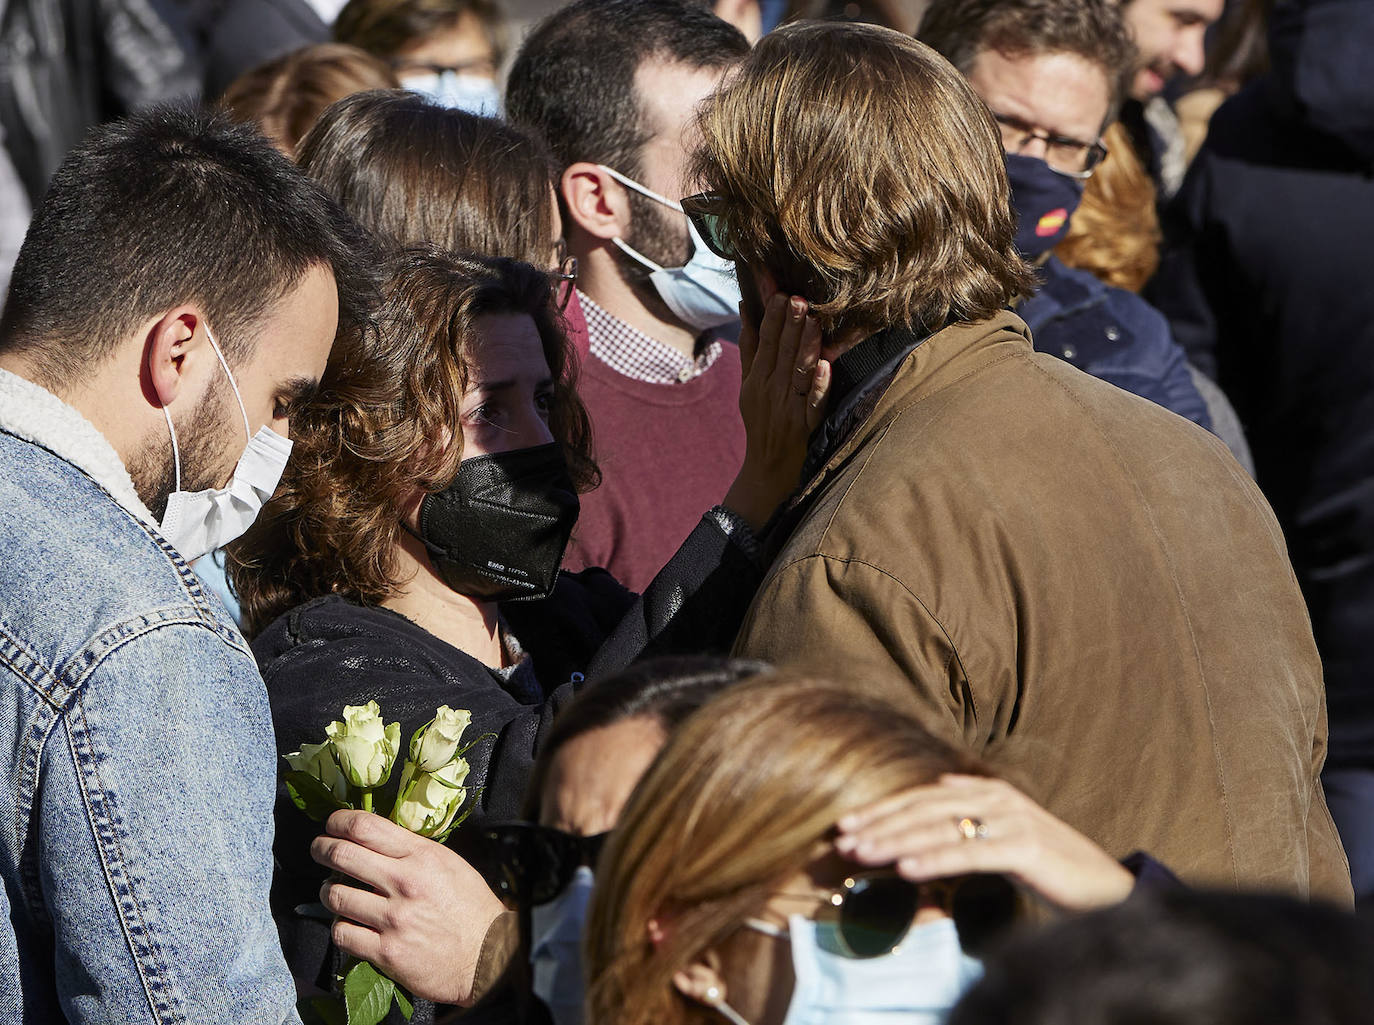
point(1044, 201)
point(497, 533)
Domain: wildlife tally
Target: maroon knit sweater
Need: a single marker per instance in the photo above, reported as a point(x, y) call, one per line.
point(667, 452)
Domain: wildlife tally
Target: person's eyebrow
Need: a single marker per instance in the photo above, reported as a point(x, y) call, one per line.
point(297, 393)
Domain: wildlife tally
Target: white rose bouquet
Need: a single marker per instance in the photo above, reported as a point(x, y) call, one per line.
point(346, 771)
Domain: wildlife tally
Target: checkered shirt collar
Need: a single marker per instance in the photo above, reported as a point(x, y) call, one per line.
point(631, 352)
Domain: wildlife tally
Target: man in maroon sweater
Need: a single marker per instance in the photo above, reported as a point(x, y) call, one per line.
point(613, 85)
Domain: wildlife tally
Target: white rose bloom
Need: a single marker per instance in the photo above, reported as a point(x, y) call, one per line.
point(318, 761)
point(436, 743)
point(364, 746)
point(435, 798)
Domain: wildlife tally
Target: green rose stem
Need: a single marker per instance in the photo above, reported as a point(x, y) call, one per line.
point(367, 800)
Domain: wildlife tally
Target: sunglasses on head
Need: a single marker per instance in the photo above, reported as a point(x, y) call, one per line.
point(528, 863)
point(704, 211)
point(870, 914)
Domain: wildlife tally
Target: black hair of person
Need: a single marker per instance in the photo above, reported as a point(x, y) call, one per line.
point(666, 689)
point(573, 81)
point(175, 204)
point(1183, 957)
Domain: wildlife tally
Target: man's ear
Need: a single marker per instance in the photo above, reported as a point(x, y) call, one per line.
point(173, 344)
point(595, 201)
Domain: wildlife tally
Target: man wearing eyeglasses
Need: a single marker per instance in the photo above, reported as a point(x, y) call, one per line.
point(1085, 588)
point(1053, 75)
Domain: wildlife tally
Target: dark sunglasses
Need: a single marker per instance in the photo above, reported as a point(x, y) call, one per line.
point(870, 914)
point(528, 863)
point(704, 211)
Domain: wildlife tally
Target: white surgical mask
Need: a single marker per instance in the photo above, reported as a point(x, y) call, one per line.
point(916, 984)
point(475, 94)
point(198, 522)
point(704, 292)
point(556, 951)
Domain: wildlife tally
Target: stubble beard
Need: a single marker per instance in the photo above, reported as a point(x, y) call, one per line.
point(202, 440)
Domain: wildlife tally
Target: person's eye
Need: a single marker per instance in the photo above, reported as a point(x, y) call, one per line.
point(281, 410)
point(544, 402)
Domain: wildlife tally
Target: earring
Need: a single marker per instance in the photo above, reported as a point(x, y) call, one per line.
point(713, 994)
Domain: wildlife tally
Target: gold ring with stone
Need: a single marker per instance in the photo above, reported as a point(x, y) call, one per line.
point(971, 828)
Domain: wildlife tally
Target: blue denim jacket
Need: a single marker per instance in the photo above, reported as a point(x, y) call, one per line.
point(138, 757)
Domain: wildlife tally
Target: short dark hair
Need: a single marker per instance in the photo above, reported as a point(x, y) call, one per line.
point(413, 171)
point(666, 689)
point(1183, 957)
point(573, 79)
point(174, 205)
point(1092, 29)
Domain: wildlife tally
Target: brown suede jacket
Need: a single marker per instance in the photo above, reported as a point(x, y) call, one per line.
point(1089, 590)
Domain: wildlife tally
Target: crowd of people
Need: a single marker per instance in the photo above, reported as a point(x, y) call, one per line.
point(888, 486)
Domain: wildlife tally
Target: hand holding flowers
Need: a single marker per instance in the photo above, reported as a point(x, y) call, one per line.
point(345, 772)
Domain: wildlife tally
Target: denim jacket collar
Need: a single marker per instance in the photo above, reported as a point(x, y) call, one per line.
point(39, 417)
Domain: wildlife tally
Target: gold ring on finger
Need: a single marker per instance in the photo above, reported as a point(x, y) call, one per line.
point(971, 828)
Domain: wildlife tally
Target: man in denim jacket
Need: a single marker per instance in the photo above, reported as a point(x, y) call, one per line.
point(179, 277)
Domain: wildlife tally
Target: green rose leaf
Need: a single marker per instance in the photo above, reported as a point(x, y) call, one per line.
point(311, 796)
point(367, 994)
point(403, 1002)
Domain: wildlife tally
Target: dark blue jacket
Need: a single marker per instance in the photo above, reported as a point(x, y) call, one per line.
point(1266, 281)
point(1112, 334)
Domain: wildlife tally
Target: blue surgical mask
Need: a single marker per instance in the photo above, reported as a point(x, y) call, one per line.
point(1044, 201)
point(916, 984)
point(556, 949)
point(472, 93)
point(704, 292)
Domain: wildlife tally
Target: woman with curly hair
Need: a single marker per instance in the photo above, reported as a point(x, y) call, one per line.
point(411, 555)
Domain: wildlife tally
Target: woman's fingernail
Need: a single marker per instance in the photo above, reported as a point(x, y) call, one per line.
point(798, 309)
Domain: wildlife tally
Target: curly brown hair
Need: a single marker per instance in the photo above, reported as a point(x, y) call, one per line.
point(861, 170)
point(369, 437)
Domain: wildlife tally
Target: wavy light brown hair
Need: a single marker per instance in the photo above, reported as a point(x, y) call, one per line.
point(736, 802)
point(1115, 233)
point(369, 438)
point(412, 171)
point(860, 169)
point(285, 95)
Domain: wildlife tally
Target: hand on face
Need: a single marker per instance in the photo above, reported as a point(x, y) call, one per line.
point(920, 831)
point(782, 400)
point(427, 912)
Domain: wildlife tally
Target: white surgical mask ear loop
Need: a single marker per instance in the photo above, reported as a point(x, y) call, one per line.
point(715, 1000)
point(635, 254)
point(232, 383)
point(630, 183)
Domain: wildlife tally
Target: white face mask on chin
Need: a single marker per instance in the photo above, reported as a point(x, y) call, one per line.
point(198, 522)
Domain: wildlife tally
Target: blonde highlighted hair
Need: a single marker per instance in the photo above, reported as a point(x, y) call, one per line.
point(740, 799)
point(859, 168)
point(1114, 233)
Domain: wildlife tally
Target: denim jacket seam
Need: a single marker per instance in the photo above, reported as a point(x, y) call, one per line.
point(79, 667)
point(23, 662)
point(148, 962)
point(37, 732)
